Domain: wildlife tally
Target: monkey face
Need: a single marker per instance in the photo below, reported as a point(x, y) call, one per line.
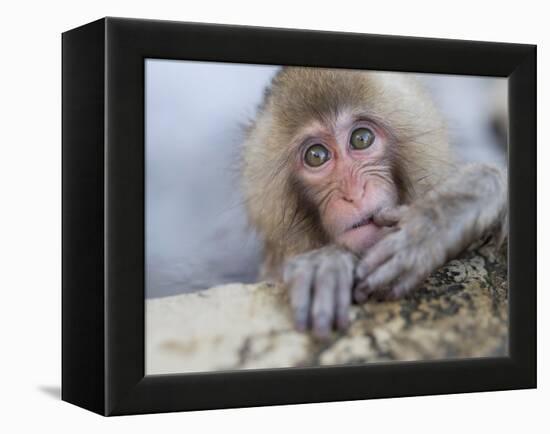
point(345, 169)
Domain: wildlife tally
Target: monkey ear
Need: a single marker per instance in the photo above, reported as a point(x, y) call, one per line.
point(389, 216)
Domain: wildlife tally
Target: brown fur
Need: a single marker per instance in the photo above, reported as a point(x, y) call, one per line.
point(277, 204)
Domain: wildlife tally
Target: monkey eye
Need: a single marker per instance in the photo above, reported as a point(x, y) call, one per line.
point(361, 138)
point(316, 155)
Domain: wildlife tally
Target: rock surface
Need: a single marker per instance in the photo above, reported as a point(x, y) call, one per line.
point(460, 311)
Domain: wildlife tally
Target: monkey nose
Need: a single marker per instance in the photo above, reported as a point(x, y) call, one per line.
point(353, 196)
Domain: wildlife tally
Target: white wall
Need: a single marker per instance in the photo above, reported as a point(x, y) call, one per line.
point(196, 234)
point(30, 81)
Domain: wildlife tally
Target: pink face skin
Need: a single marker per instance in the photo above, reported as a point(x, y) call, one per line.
point(352, 185)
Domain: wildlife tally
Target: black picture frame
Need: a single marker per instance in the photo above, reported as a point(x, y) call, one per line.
point(103, 216)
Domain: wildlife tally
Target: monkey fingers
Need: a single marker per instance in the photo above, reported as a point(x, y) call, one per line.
point(383, 267)
point(378, 254)
point(324, 306)
point(320, 284)
point(343, 293)
point(387, 273)
point(332, 292)
point(406, 284)
point(298, 276)
point(389, 216)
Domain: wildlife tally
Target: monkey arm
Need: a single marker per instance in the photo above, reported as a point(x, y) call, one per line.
point(320, 284)
point(470, 204)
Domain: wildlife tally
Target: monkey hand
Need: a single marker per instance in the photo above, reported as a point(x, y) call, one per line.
point(320, 284)
point(401, 260)
point(466, 207)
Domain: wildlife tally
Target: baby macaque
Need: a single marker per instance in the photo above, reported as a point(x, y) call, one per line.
point(350, 182)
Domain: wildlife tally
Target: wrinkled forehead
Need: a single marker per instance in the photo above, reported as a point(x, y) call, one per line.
point(307, 96)
point(327, 127)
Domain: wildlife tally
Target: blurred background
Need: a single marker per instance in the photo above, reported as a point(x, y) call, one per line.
point(196, 230)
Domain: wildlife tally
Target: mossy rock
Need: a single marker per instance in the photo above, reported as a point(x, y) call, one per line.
point(461, 311)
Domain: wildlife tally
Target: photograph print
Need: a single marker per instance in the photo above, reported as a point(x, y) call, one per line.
point(304, 216)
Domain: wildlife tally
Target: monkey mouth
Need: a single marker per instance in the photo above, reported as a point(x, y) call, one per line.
point(363, 222)
point(361, 235)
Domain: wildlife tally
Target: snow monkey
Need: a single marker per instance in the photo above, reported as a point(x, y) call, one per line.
point(350, 181)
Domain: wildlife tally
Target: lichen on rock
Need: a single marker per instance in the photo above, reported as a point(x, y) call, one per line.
point(461, 311)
